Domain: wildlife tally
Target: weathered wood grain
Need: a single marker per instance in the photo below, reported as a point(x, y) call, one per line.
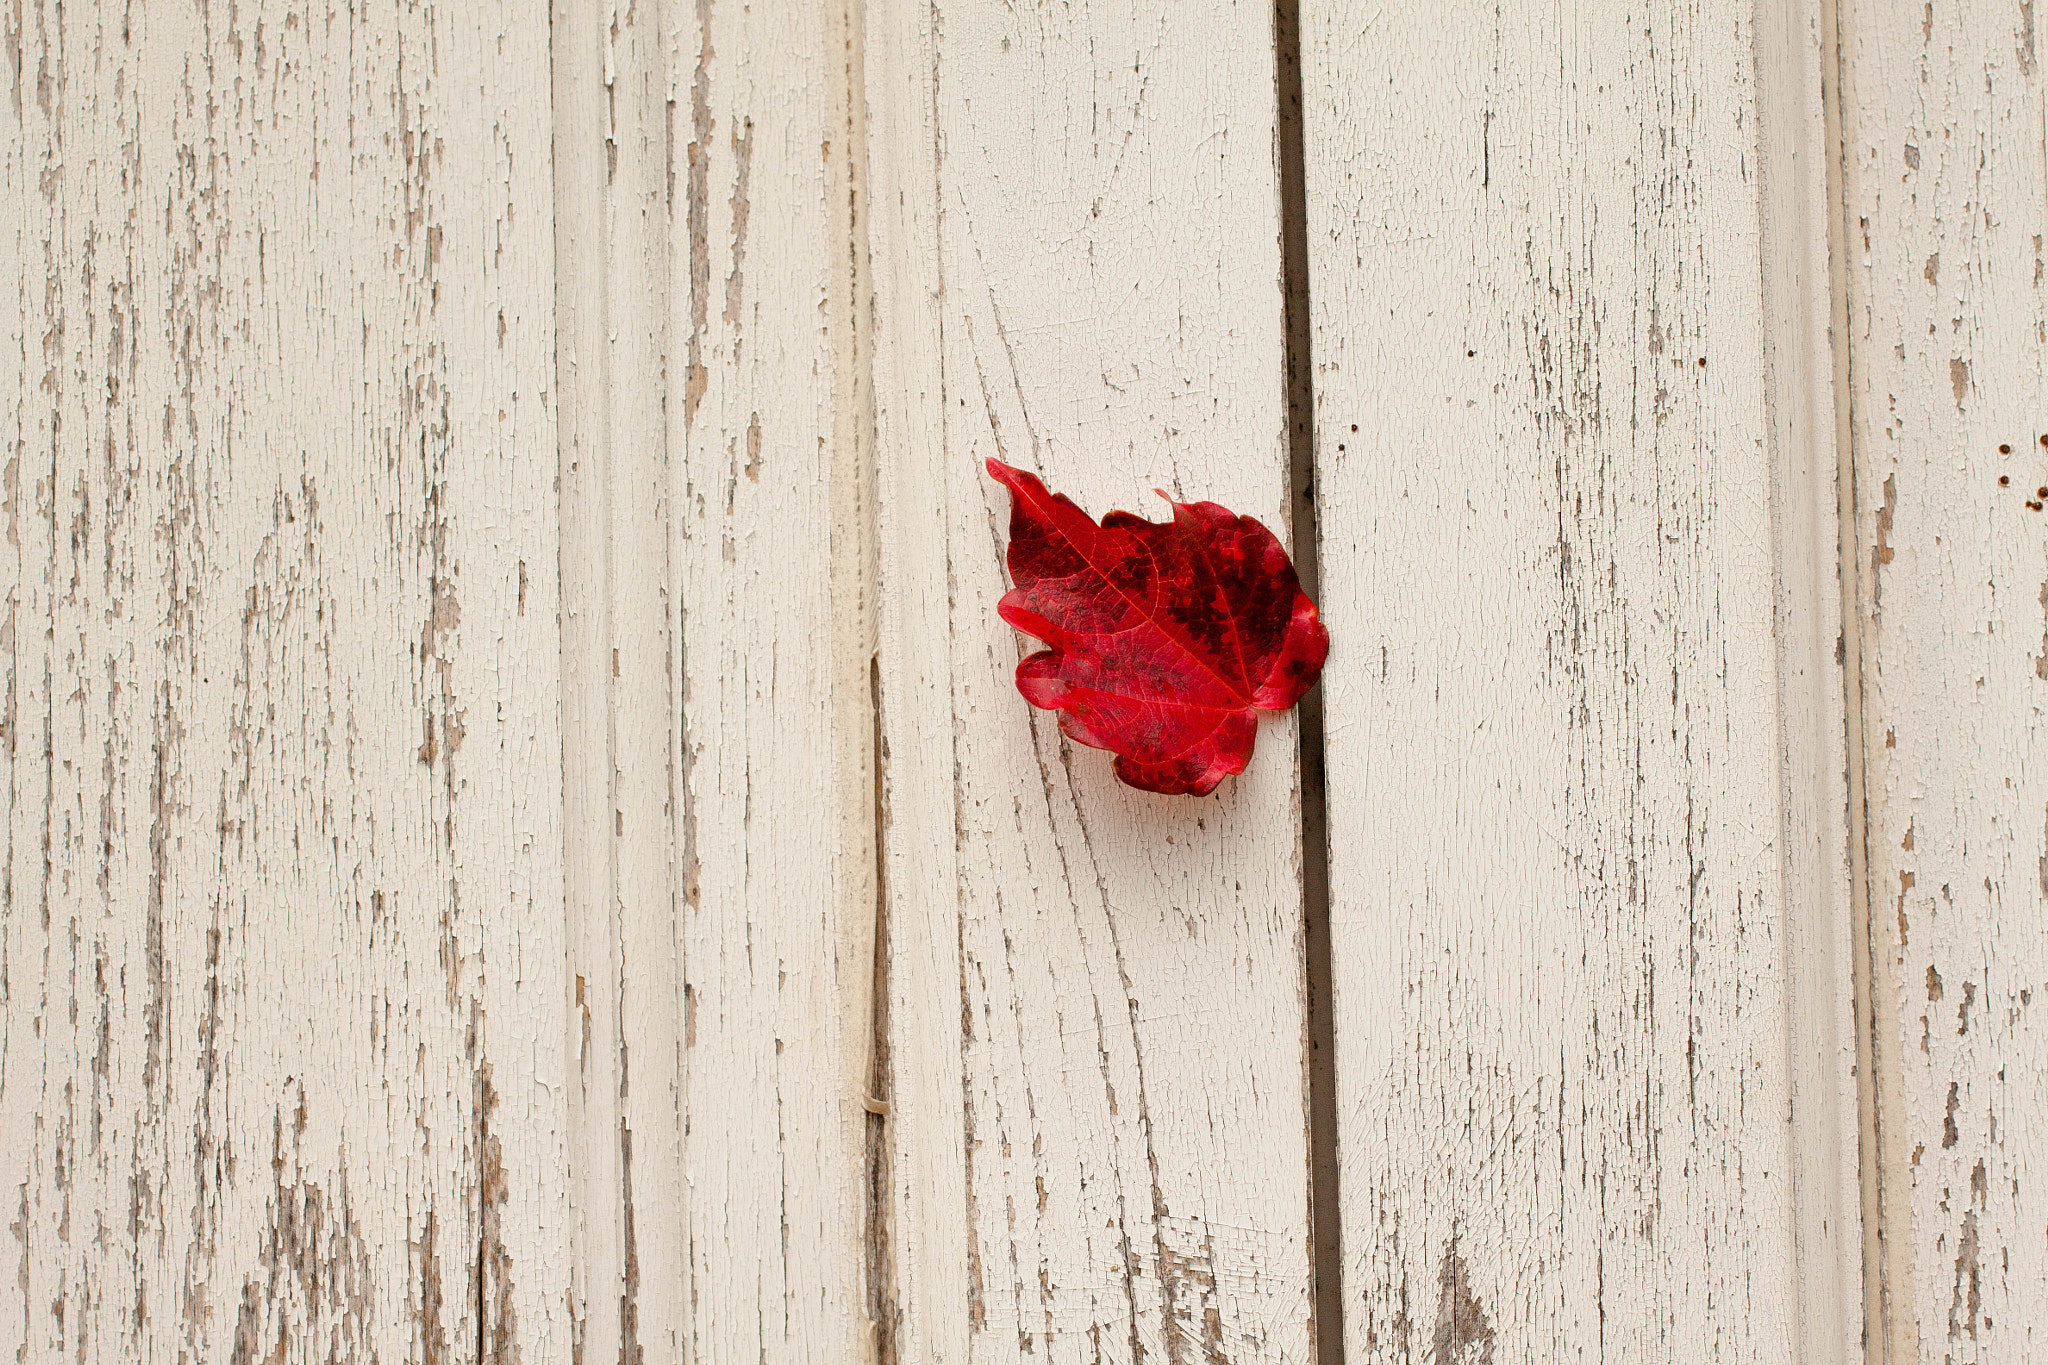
point(1096, 1014)
point(397, 962)
point(619, 669)
point(1946, 202)
point(1798, 145)
point(1579, 587)
point(281, 960)
point(717, 660)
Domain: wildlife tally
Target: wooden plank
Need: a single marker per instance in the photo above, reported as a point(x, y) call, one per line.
point(1577, 585)
point(776, 932)
point(1947, 206)
point(1096, 1012)
point(611, 89)
point(1799, 241)
point(282, 1068)
point(719, 723)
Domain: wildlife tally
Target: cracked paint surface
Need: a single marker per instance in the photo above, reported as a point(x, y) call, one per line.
point(1949, 372)
point(278, 451)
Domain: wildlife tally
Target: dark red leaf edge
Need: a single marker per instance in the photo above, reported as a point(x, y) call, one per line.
point(1138, 614)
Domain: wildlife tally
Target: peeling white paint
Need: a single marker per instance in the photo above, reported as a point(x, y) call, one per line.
point(1563, 701)
point(281, 943)
point(1947, 199)
point(1098, 1026)
point(452, 843)
point(722, 917)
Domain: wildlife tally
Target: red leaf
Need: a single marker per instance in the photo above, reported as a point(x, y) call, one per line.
point(1167, 637)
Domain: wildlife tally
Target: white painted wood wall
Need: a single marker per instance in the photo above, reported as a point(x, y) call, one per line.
point(521, 842)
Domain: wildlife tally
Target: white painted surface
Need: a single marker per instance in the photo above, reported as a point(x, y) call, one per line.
point(1097, 1019)
point(280, 959)
point(1560, 724)
point(722, 915)
point(1797, 144)
point(394, 965)
point(1947, 204)
point(623, 852)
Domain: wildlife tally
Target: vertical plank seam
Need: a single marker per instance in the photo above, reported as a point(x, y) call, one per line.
point(856, 579)
point(1319, 1041)
point(879, 1265)
point(1868, 1082)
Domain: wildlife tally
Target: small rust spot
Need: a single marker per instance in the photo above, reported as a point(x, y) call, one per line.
point(2005, 480)
point(2005, 450)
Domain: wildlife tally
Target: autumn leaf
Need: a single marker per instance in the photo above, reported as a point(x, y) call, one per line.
point(1167, 638)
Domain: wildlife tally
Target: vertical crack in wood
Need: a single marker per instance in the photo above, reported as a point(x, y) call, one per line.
point(1864, 947)
point(577, 100)
point(1320, 1059)
point(879, 1267)
point(858, 681)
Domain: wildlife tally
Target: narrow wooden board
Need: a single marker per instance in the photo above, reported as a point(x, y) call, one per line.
point(1947, 208)
point(719, 725)
point(619, 669)
point(1567, 893)
point(280, 946)
point(1095, 994)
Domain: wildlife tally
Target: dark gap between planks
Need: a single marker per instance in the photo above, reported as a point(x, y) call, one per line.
point(1877, 1340)
point(1325, 1268)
